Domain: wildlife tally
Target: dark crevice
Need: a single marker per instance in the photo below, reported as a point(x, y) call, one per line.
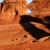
point(34, 41)
point(25, 36)
point(1, 5)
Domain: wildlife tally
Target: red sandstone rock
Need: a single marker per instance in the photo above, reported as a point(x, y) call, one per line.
point(20, 35)
point(10, 9)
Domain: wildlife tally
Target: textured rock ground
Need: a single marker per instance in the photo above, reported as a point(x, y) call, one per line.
point(21, 31)
point(28, 46)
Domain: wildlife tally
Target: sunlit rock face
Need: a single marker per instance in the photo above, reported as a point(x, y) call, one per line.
point(11, 8)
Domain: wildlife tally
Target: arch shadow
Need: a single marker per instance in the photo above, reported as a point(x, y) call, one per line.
point(33, 30)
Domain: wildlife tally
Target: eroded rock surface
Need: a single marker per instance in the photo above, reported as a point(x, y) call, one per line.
point(18, 27)
point(11, 9)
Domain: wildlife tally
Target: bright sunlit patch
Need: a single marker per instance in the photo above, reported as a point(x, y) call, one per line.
point(29, 1)
point(28, 11)
point(1, 1)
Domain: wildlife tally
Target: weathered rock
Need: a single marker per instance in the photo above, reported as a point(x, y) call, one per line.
point(35, 25)
point(38, 6)
point(10, 9)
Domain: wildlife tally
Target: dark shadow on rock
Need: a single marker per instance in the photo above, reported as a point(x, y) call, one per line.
point(33, 30)
point(47, 18)
point(1, 6)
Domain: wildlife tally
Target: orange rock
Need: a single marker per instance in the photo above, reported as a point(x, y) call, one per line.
point(21, 31)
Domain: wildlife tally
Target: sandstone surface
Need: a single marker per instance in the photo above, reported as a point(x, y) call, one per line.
point(22, 31)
